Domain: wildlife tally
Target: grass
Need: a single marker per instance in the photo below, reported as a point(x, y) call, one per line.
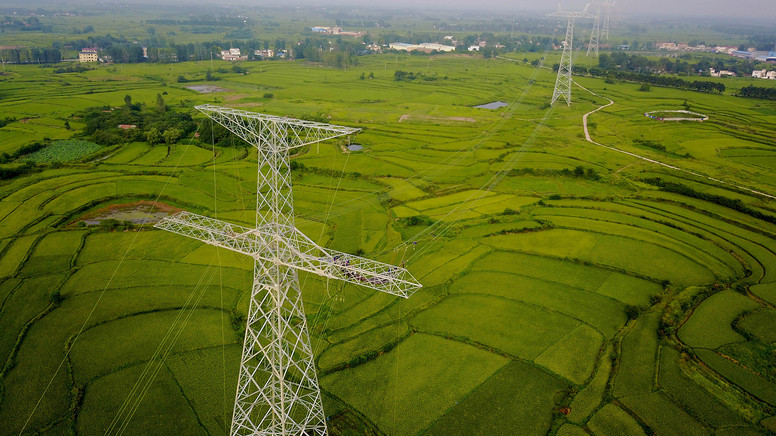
point(14, 254)
point(766, 291)
point(532, 330)
point(607, 250)
point(710, 324)
point(612, 420)
point(747, 380)
point(404, 404)
point(372, 341)
point(95, 355)
point(214, 412)
point(637, 358)
point(663, 416)
point(494, 284)
point(518, 399)
point(101, 404)
point(760, 324)
point(691, 396)
point(574, 355)
point(52, 254)
point(588, 398)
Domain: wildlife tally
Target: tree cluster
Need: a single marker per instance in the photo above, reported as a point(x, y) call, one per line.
point(758, 92)
point(155, 125)
point(409, 76)
point(21, 151)
point(656, 80)
point(642, 64)
point(33, 55)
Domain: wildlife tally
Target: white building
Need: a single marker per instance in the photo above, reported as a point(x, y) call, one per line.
point(764, 74)
point(233, 54)
point(88, 55)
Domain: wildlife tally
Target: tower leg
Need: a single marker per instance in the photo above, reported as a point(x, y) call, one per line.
point(277, 389)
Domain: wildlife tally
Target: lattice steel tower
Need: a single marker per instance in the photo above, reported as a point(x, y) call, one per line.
point(601, 8)
point(563, 81)
point(607, 7)
point(277, 388)
point(596, 32)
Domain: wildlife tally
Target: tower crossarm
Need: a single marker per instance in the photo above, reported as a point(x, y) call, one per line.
point(350, 268)
point(294, 250)
point(270, 132)
point(215, 232)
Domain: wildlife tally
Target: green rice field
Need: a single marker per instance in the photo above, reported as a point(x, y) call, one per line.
point(553, 302)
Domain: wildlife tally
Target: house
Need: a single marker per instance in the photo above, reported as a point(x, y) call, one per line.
point(727, 49)
point(671, 46)
point(764, 74)
point(329, 30)
point(127, 126)
point(431, 46)
point(402, 46)
point(474, 48)
point(425, 47)
point(264, 54)
point(88, 55)
point(233, 54)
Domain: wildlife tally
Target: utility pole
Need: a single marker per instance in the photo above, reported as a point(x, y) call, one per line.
point(277, 389)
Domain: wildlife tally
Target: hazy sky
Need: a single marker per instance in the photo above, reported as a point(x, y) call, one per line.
point(759, 10)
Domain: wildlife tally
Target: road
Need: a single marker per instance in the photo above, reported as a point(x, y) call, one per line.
point(611, 102)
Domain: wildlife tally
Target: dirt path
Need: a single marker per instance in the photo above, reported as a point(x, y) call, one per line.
point(611, 102)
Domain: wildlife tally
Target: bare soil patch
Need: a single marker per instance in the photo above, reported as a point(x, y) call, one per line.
point(207, 89)
point(137, 212)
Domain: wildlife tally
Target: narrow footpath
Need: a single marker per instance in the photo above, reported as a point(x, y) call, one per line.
point(611, 102)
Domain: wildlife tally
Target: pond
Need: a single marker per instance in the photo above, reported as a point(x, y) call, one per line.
point(207, 89)
point(492, 105)
point(355, 147)
point(139, 212)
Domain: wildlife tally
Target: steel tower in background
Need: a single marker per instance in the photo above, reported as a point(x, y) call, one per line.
point(563, 80)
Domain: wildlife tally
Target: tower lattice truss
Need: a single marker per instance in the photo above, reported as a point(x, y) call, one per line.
point(563, 80)
point(277, 389)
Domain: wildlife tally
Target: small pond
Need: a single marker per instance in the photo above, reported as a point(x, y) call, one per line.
point(355, 147)
point(492, 105)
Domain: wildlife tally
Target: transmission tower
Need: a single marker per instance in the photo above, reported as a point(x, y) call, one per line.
point(277, 388)
point(595, 33)
point(601, 8)
point(563, 81)
point(607, 9)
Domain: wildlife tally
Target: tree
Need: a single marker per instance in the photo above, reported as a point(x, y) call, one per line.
point(171, 135)
point(67, 125)
point(128, 101)
point(160, 104)
point(153, 136)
